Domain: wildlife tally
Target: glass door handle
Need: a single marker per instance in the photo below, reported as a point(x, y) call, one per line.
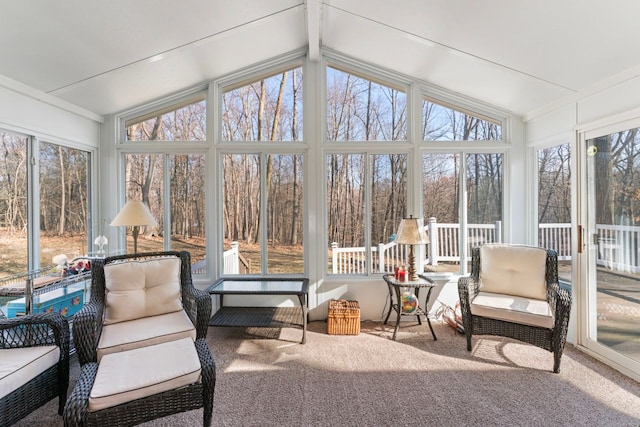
point(580, 231)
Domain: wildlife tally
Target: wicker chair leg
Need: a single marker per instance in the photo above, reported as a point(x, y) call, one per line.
point(468, 334)
point(207, 415)
point(207, 404)
point(63, 386)
point(62, 401)
point(556, 361)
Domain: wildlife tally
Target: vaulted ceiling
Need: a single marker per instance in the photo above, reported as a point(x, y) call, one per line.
point(518, 55)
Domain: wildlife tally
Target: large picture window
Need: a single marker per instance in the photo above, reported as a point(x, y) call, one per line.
point(263, 190)
point(268, 109)
point(183, 122)
point(13, 203)
point(443, 123)
point(360, 109)
point(262, 213)
point(169, 178)
point(63, 223)
point(554, 204)
point(480, 220)
point(185, 194)
point(366, 200)
point(366, 189)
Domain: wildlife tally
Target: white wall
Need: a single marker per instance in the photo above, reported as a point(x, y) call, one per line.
point(586, 107)
point(40, 117)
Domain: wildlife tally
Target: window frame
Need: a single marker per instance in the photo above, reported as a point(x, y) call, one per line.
point(124, 147)
point(222, 147)
point(368, 148)
point(32, 190)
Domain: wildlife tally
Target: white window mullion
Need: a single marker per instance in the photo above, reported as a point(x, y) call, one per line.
point(33, 204)
point(166, 206)
point(463, 213)
point(264, 226)
point(367, 212)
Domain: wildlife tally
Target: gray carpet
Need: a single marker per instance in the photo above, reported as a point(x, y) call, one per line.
point(369, 380)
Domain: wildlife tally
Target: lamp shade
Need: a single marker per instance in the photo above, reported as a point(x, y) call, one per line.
point(411, 232)
point(133, 213)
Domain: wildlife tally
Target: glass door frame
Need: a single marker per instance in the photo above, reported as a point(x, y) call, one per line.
point(584, 278)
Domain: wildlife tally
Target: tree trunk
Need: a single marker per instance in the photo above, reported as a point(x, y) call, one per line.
point(63, 193)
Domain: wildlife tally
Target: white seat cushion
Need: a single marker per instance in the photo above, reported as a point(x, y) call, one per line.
point(136, 289)
point(514, 309)
point(145, 331)
point(513, 269)
point(130, 375)
point(18, 366)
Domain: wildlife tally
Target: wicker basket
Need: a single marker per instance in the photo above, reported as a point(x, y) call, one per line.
point(343, 317)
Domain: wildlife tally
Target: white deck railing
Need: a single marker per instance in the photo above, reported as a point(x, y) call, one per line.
point(443, 247)
point(230, 262)
point(618, 247)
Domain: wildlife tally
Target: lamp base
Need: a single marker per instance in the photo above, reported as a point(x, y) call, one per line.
point(413, 274)
point(135, 232)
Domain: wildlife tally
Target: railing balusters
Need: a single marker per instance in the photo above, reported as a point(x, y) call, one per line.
point(619, 246)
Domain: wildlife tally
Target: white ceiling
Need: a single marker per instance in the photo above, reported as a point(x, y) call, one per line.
point(518, 55)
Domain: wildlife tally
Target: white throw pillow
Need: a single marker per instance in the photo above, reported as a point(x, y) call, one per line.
point(514, 270)
point(136, 289)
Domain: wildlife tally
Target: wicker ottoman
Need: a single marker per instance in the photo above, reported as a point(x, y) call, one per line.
point(139, 385)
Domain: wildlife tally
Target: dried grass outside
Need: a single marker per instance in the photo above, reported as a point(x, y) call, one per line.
point(13, 252)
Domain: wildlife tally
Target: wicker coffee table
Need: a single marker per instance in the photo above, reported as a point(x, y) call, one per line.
point(262, 317)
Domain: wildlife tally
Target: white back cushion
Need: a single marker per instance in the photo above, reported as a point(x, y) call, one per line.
point(136, 289)
point(514, 270)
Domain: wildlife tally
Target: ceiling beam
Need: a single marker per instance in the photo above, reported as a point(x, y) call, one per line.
point(313, 28)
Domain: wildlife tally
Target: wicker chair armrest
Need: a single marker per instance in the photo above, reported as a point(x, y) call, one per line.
point(207, 362)
point(77, 407)
point(87, 327)
point(197, 304)
point(562, 305)
point(467, 290)
point(469, 287)
point(35, 330)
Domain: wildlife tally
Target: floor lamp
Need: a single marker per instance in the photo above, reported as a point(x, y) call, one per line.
point(134, 214)
point(411, 232)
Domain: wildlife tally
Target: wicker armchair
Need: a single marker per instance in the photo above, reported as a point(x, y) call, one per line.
point(157, 369)
point(36, 330)
point(544, 330)
point(89, 321)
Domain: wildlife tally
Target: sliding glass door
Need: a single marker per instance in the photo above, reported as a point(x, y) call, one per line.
point(610, 245)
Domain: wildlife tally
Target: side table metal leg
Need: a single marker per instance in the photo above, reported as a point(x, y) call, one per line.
point(390, 304)
point(417, 294)
point(304, 308)
point(426, 313)
point(431, 327)
point(398, 308)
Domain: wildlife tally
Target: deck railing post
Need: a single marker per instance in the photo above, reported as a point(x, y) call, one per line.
point(334, 258)
point(432, 227)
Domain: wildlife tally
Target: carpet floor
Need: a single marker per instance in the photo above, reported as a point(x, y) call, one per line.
point(265, 377)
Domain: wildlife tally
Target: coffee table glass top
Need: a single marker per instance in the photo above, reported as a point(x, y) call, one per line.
point(283, 286)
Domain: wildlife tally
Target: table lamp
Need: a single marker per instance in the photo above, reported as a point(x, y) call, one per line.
point(411, 232)
point(134, 214)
